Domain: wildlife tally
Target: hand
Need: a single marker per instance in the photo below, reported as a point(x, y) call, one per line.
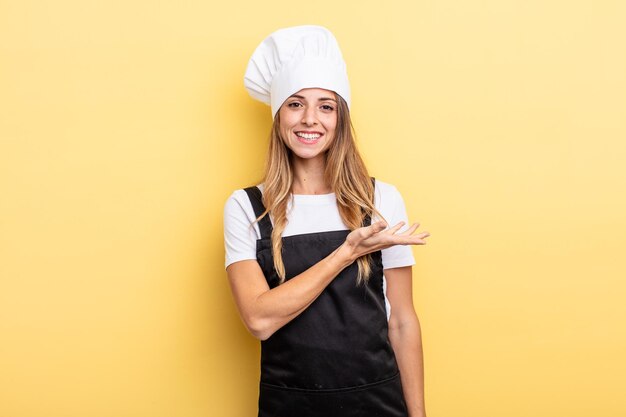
point(372, 238)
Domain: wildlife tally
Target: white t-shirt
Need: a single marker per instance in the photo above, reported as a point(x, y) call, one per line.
point(311, 214)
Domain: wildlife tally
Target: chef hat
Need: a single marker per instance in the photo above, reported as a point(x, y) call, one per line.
point(294, 58)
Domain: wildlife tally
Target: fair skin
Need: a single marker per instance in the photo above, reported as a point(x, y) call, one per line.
point(311, 113)
point(308, 121)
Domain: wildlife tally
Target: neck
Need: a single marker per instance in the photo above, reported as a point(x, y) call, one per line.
point(308, 175)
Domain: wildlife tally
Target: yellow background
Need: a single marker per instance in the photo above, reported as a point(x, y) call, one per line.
point(124, 126)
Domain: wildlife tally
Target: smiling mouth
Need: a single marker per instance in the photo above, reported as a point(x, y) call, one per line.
point(308, 136)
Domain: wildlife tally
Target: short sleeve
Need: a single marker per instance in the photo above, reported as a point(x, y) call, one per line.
point(391, 205)
point(240, 233)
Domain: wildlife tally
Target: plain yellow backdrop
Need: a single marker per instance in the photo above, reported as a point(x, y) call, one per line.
point(124, 126)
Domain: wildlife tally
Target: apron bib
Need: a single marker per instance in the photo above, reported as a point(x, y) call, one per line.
point(335, 358)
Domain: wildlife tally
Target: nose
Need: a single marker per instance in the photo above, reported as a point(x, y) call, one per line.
point(309, 117)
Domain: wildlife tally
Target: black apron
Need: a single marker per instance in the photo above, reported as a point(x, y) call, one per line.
point(335, 358)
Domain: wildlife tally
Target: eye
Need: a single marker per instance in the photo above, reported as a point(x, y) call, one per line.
point(294, 104)
point(328, 107)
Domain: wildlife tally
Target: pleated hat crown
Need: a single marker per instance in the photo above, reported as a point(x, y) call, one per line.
point(294, 58)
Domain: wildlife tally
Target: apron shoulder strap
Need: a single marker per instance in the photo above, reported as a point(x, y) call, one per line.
point(256, 198)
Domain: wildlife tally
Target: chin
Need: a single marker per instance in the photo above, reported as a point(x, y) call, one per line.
point(307, 155)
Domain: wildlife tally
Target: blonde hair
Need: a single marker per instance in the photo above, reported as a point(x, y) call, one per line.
point(345, 172)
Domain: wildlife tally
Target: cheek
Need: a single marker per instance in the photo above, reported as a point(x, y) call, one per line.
point(289, 116)
point(285, 135)
point(331, 132)
point(331, 127)
point(283, 128)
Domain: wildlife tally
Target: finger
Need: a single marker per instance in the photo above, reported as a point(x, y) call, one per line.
point(410, 230)
point(397, 227)
point(379, 225)
point(420, 237)
point(403, 239)
point(374, 228)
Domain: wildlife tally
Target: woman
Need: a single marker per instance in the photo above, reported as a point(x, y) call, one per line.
point(326, 289)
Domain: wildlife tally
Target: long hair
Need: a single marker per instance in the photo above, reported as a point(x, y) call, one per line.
point(345, 172)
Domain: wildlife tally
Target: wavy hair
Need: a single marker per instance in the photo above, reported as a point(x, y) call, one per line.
point(345, 172)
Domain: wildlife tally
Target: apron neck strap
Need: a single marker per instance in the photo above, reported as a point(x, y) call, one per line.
point(256, 198)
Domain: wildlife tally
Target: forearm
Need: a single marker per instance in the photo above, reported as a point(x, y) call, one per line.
point(406, 340)
point(276, 307)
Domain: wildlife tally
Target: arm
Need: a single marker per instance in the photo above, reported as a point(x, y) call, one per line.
point(406, 338)
point(264, 310)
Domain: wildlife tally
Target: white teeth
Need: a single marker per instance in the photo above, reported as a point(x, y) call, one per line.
point(308, 135)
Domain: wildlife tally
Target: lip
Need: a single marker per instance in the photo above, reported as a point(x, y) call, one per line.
point(306, 141)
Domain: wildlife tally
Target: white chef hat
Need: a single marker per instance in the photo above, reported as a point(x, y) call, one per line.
point(294, 58)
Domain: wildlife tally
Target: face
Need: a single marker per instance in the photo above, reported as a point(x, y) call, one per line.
point(308, 120)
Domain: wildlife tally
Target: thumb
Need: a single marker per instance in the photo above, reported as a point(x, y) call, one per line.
point(379, 226)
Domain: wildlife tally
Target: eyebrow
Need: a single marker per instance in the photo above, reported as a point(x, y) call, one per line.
point(320, 99)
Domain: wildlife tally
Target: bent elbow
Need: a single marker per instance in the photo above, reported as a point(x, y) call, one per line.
point(262, 336)
point(259, 328)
